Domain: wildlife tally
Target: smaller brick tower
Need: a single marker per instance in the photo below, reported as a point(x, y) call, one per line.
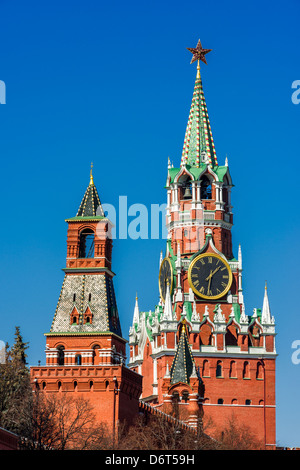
point(85, 350)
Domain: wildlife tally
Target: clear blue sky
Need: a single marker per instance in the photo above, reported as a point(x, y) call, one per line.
point(111, 82)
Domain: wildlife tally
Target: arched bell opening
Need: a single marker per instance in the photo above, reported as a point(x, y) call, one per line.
point(206, 188)
point(185, 187)
point(86, 243)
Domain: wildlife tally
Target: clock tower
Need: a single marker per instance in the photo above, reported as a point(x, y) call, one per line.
point(202, 354)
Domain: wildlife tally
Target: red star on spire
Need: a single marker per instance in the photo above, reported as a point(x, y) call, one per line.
point(198, 52)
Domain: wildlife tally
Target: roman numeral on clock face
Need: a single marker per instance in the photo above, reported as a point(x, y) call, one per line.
point(209, 276)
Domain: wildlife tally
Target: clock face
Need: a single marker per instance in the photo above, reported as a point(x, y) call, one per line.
point(165, 276)
point(210, 276)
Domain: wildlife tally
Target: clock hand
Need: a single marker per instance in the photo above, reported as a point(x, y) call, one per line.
point(208, 287)
point(212, 273)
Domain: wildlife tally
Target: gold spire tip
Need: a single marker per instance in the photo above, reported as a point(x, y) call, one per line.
point(91, 175)
point(198, 70)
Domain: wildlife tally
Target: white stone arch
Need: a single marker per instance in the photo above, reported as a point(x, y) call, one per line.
point(211, 173)
point(183, 171)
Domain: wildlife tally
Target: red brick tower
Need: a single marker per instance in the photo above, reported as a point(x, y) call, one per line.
point(198, 350)
point(85, 350)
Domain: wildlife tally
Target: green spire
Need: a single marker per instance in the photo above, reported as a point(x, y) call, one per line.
point(183, 362)
point(198, 142)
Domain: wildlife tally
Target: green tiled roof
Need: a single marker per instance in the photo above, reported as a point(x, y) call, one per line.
point(198, 136)
point(196, 171)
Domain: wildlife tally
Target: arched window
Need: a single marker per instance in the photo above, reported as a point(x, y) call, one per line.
point(206, 191)
point(61, 355)
point(185, 396)
point(86, 243)
point(219, 369)
point(96, 357)
point(205, 369)
point(175, 403)
point(78, 359)
point(187, 190)
point(246, 370)
point(259, 371)
point(37, 385)
point(175, 397)
point(247, 402)
point(220, 401)
point(232, 370)
point(185, 187)
point(231, 333)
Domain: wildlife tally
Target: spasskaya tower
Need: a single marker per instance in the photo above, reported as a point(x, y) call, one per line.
point(200, 351)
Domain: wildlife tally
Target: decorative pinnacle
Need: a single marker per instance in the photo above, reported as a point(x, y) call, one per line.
point(198, 54)
point(91, 175)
